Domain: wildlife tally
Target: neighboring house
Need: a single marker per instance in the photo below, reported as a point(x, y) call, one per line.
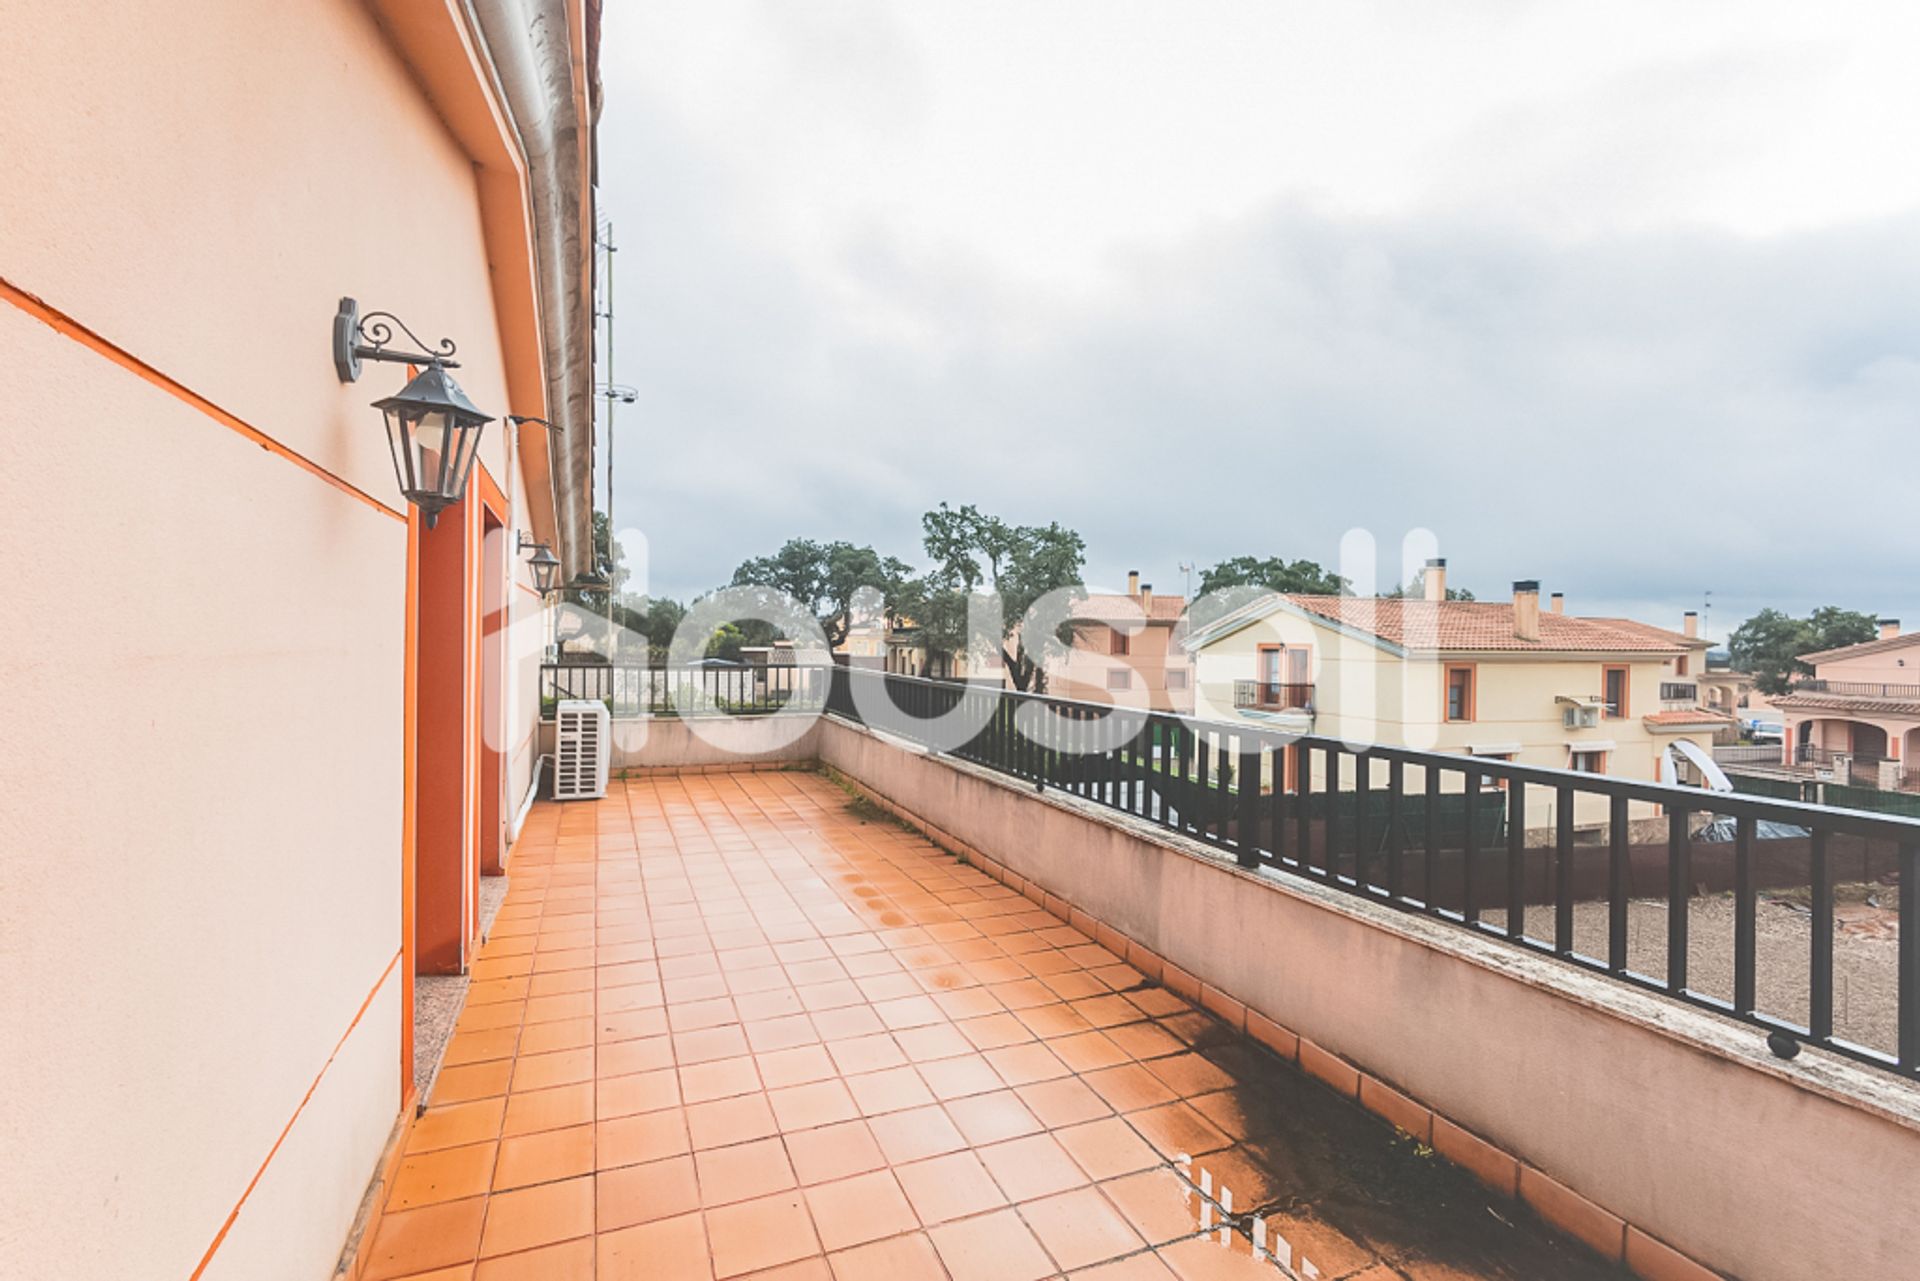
point(907, 654)
point(865, 644)
point(1862, 703)
point(1496, 679)
point(1127, 651)
point(262, 782)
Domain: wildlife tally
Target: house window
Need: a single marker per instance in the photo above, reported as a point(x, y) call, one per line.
point(1177, 678)
point(1493, 782)
point(1118, 641)
point(1680, 665)
point(1589, 762)
point(1678, 691)
point(1460, 692)
point(1613, 686)
point(1119, 678)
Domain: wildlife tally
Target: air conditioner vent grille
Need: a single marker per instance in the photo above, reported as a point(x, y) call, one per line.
point(582, 750)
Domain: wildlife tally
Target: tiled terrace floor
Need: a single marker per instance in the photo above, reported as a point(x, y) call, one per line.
point(725, 1027)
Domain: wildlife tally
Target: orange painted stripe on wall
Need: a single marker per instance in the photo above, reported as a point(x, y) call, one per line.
point(63, 324)
point(306, 1098)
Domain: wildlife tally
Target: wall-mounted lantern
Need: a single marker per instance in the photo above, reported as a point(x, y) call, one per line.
point(433, 430)
point(590, 580)
point(544, 565)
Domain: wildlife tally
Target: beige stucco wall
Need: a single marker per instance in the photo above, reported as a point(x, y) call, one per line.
point(1082, 672)
point(1674, 1120)
point(200, 842)
point(200, 853)
point(1888, 667)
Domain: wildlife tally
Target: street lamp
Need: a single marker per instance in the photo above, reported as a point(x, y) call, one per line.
point(433, 430)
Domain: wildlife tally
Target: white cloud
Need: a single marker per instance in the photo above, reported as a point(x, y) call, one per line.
point(1613, 295)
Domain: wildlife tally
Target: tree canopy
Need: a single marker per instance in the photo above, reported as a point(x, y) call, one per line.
point(1275, 574)
point(824, 578)
point(971, 552)
point(1770, 643)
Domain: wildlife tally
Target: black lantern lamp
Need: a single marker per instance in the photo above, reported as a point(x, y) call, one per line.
point(434, 432)
point(544, 564)
point(590, 580)
point(432, 428)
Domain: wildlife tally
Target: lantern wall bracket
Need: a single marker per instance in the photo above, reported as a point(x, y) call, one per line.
point(369, 337)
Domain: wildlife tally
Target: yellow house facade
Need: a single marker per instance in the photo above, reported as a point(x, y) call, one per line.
point(1504, 680)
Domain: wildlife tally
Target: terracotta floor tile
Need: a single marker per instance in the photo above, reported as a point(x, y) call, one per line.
point(1129, 1088)
point(935, 1041)
point(1080, 1228)
point(560, 1067)
point(674, 1248)
point(640, 1092)
point(759, 1234)
point(847, 1022)
point(797, 1066)
point(855, 1210)
point(781, 1033)
point(1026, 1064)
point(1031, 1167)
point(1107, 1148)
point(568, 1261)
point(835, 1151)
point(709, 1044)
point(647, 1136)
point(806, 1107)
point(726, 1121)
point(719, 1079)
point(472, 1081)
point(544, 1157)
point(903, 1258)
point(696, 1015)
point(958, 1077)
point(1158, 1203)
point(1090, 1052)
point(642, 1193)
point(449, 1174)
point(455, 1125)
point(1148, 1041)
point(949, 1187)
point(638, 1054)
point(548, 1109)
point(1063, 1102)
point(481, 1047)
point(566, 1034)
point(866, 1054)
point(967, 1003)
point(989, 1118)
point(1137, 1267)
point(892, 1090)
point(744, 1171)
point(1176, 1128)
point(916, 1134)
point(433, 1236)
point(761, 1007)
point(991, 1247)
point(528, 1217)
point(993, 1031)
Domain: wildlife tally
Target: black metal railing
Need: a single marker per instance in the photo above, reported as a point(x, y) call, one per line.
point(1858, 689)
point(1480, 844)
point(639, 690)
point(1273, 695)
point(1678, 691)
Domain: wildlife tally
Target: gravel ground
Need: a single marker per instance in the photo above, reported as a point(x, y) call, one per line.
point(1866, 948)
point(438, 999)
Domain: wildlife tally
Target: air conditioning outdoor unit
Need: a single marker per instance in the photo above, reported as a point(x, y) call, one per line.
point(1582, 716)
point(583, 746)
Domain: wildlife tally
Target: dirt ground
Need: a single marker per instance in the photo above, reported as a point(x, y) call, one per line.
point(1866, 948)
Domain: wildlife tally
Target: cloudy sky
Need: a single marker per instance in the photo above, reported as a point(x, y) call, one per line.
point(1623, 297)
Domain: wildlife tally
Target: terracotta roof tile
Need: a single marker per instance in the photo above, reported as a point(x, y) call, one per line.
point(1488, 625)
point(1695, 716)
point(1847, 702)
point(1863, 648)
point(1100, 605)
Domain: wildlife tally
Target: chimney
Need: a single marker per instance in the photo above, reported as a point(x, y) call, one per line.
point(1133, 582)
point(1889, 628)
point(1436, 578)
point(1526, 609)
point(1557, 602)
point(1690, 624)
point(1146, 599)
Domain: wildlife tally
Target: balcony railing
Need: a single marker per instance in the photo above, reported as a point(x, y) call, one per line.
point(1272, 696)
point(630, 691)
point(1446, 837)
point(1858, 689)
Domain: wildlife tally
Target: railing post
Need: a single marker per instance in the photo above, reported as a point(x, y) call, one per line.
point(1745, 926)
point(1516, 859)
point(1907, 978)
point(1617, 869)
point(1679, 890)
point(1249, 833)
point(1820, 972)
point(1563, 871)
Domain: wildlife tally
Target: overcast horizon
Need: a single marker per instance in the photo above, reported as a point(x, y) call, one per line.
point(1615, 297)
